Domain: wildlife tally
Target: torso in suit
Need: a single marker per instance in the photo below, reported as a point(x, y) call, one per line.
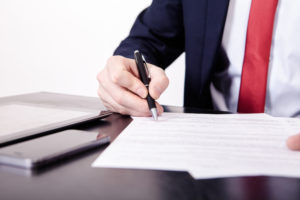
point(169, 27)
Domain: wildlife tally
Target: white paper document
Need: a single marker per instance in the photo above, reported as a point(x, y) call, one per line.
point(206, 145)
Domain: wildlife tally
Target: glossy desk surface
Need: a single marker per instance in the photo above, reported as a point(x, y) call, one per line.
point(76, 179)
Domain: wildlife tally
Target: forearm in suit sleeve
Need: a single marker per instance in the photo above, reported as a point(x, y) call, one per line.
point(157, 32)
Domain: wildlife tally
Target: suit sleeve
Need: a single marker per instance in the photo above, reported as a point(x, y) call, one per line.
point(157, 32)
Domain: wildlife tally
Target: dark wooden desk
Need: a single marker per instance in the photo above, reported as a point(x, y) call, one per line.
point(76, 179)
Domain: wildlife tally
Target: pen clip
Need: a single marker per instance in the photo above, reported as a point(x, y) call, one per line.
point(146, 67)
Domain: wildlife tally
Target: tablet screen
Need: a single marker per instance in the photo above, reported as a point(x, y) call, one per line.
point(22, 118)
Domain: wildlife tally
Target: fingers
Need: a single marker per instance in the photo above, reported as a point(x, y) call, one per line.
point(119, 99)
point(121, 90)
point(108, 101)
point(159, 81)
point(112, 105)
point(293, 142)
point(124, 73)
point(127, 80)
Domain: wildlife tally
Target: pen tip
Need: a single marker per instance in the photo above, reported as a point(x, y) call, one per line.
point(154, 113)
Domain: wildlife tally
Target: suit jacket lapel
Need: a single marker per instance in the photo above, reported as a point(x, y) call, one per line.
point(215, 21)
point(204, 24)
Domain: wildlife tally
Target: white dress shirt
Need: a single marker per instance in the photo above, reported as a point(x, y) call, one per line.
point(283, 87)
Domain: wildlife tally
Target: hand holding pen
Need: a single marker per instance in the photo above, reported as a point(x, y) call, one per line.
point(122, 91)
point(145, 78)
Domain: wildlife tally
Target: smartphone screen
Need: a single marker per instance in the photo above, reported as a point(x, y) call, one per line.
point(42, 150)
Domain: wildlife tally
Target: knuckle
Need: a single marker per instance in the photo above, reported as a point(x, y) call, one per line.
point(133, 85)
point(119, 98)
point(116, 77)
point(100, 77)
point(110, 60)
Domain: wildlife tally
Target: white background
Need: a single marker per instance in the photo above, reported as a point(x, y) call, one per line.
point(60, 45)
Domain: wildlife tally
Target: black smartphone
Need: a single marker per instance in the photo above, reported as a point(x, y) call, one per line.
point(48, 149)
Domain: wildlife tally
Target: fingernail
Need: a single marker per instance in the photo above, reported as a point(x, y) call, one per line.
point(141, 92)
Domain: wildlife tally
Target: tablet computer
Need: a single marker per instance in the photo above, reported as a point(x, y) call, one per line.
point(20, 121)
point(48, 149)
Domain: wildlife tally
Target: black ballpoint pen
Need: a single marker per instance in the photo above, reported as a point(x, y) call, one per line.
point(145, 78)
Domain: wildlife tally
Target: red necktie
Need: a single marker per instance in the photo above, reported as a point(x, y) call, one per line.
point(256, 59)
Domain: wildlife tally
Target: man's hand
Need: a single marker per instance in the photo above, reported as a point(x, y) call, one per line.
point(122, 91)
point(293, 142)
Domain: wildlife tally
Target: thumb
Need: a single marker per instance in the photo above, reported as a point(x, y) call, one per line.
point(293, 142)
point(159, 81)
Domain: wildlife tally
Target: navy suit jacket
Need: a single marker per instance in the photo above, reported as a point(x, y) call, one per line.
point(169, 27)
